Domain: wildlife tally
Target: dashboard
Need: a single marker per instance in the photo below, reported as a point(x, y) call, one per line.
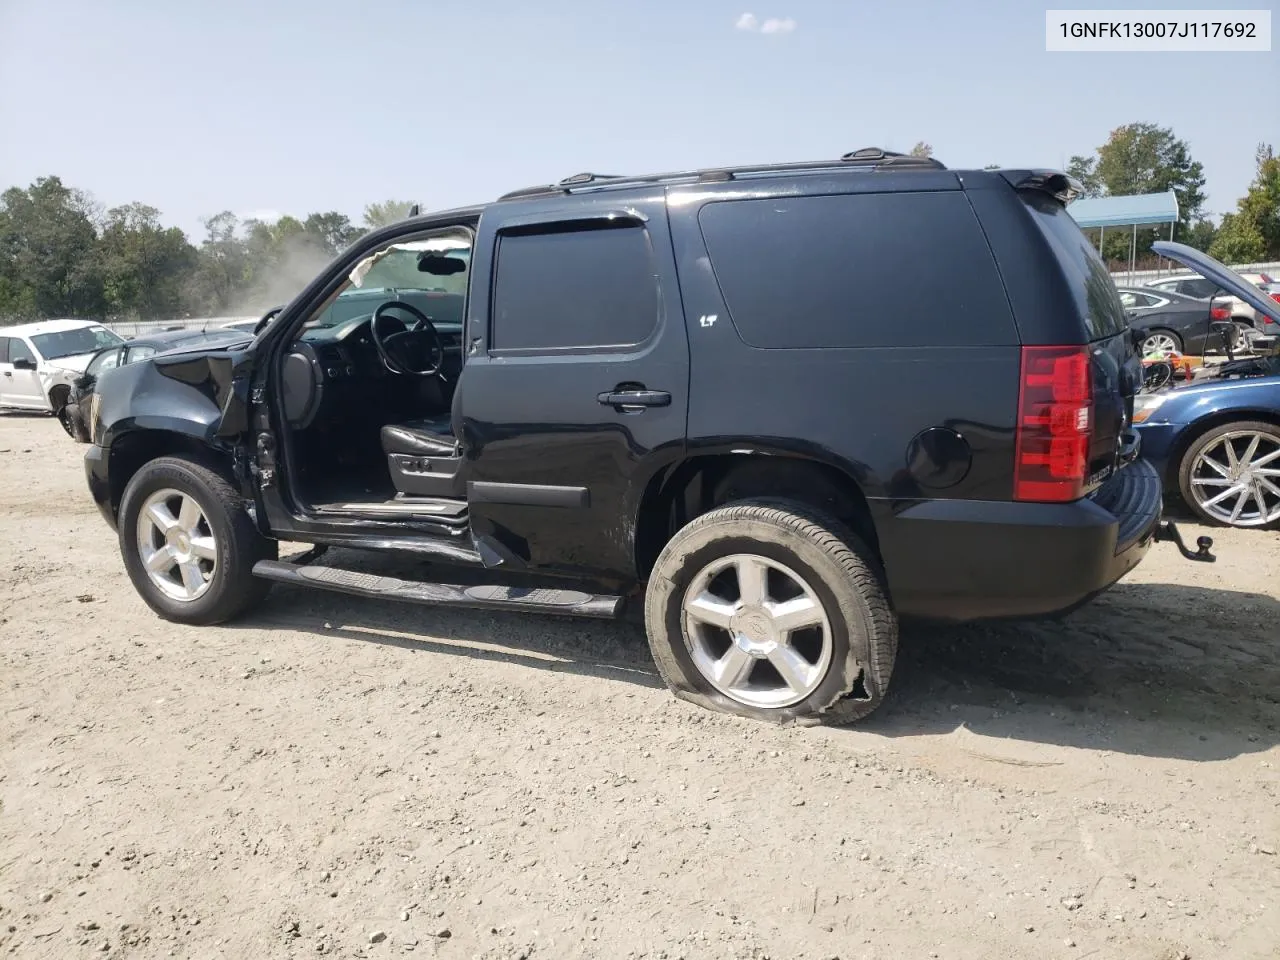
point(343, 359)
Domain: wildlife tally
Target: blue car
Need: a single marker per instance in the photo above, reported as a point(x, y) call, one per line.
point(1216, 440)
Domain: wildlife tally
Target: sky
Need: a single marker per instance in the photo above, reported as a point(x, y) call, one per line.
point(286, 106)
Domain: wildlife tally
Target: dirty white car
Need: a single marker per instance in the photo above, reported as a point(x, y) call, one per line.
point(39, 361)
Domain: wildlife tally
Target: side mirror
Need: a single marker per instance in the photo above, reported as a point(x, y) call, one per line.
point(22, 363)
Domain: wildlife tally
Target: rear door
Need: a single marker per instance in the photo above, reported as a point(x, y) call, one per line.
point(575, 390)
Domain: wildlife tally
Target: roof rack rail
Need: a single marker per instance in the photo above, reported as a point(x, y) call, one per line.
point(867, 156)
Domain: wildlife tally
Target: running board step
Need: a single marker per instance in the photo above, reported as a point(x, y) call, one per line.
point(572, 603)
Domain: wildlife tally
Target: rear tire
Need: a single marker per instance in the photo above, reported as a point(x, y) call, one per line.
point(198, 539)
point(723, 644)
point(1158, 338)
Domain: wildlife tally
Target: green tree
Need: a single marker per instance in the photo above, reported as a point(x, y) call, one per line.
point(922, 149)
point(1085, 169)
point(1201, 235)
point(143, 264)
point(223, 268)
point(334, 229)
point(1253, 231)
point(1145, 158)
point(387, 212)
point(48, 266)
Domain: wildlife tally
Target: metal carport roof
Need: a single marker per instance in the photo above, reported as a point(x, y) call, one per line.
point(1137, 210)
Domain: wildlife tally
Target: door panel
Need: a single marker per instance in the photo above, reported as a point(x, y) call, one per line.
point(576, 390)
point(21, 387)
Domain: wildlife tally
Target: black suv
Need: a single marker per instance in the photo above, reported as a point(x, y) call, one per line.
point(780, 406)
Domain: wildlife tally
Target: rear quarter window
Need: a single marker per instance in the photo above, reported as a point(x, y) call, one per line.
point(1096, 300)
point(861, 270)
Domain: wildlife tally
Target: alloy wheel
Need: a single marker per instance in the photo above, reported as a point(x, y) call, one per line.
point(177, 545)
point(1159, 343)
point(1236, 479)
point(756, 631)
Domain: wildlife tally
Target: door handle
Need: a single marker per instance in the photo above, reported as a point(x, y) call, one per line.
point(622, 399)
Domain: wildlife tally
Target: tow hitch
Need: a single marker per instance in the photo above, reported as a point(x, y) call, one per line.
point(1167, 530)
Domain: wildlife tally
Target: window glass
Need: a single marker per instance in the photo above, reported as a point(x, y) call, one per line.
point(102, 362)
point(4, 349)
point(395, 273)
point(68, 343)
point(1199, 287)
point(1091, 285)
point(861, 270)
point(18, 350)
point(582, 285)
point(1128, 299)
point(135, 354)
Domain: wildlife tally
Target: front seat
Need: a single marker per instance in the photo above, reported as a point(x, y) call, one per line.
point(432, 437)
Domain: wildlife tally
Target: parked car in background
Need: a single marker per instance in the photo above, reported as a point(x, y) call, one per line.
point(1202, 288)
point(75, 419)
point(1173, 321)
point(39, 362)
point(245, 326)
point(1216, 441)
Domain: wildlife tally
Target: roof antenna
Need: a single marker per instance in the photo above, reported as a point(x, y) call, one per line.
point(413, 211)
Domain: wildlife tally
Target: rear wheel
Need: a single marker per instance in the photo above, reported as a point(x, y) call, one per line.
point(1161, 341)
point(188, 544)
point(1231, 475)
point(769, 610)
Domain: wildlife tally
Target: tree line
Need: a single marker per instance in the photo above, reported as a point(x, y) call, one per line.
point(62, 255)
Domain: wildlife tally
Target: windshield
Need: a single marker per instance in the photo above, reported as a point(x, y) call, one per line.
point(393, 274)
point(68, 343)
point(1091, 285)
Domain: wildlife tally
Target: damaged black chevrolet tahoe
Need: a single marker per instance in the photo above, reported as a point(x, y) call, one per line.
point(776, 408)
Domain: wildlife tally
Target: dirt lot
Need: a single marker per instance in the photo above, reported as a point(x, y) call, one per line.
point(339, 777)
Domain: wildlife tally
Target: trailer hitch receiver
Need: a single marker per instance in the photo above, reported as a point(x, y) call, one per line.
point(1168, 530)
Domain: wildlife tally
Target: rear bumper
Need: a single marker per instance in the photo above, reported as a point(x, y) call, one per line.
point(95, 472)
point(965, 560)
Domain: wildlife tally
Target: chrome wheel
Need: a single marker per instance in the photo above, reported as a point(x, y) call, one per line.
point(1159, 343)
point(1236, 479)
point(176, 544)
point(756, 631)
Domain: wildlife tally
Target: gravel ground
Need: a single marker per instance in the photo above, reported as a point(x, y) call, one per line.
point(352, 779)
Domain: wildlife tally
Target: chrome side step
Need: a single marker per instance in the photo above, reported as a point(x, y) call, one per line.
point(400, 508)
point(572, 603)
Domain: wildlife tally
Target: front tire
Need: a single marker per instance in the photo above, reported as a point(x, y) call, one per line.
point(188, 544)
point(770, 610)
point(1231, 475)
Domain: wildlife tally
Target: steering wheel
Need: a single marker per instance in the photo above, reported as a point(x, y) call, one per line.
point(401, 348)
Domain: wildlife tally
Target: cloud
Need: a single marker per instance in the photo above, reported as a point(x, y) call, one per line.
point(773, 25)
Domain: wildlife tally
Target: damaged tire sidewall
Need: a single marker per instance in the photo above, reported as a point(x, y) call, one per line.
point(850, 647)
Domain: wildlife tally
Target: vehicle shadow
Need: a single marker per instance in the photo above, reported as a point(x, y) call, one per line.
point(615, 650)
point(1148, 669)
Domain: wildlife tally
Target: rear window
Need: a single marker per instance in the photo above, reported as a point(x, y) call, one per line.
point(1095, 295)
point(857, 270)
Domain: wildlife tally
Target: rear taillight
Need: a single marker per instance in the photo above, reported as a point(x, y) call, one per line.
point(1219, 313)
point(1055, 424)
